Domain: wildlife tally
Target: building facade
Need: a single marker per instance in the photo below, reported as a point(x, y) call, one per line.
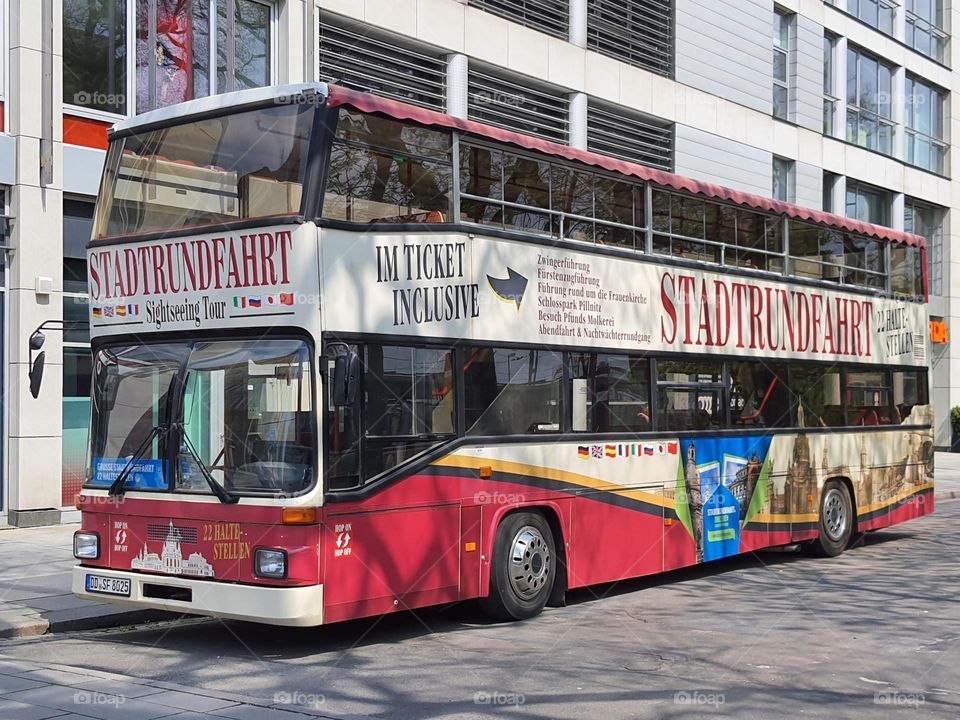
point(844, 105)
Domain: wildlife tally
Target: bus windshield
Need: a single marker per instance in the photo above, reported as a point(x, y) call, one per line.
point(242, 408)
point(205, 172)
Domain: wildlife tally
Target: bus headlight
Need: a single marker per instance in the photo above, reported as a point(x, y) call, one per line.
point(270, 563)
point(86, 545)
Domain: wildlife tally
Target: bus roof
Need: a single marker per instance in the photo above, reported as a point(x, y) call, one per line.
point(366, 102)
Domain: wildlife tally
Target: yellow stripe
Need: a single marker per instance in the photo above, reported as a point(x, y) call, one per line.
point(916, 489)
point(585, 481)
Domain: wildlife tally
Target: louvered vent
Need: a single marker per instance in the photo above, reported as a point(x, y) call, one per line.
point(549, 16)
point(629, 136)
point(356, 58)
point(508, 104)
point(639, 32)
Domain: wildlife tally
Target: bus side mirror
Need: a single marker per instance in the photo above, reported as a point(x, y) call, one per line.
point(346, 377)
point(111, 383)
point(36, 373)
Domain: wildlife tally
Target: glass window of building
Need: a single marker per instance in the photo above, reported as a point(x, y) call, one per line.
point(869, 108)
point(927, 220)
point(782, 179)
point(924, 25)
point(867, 203)
point(183, 49)
point(781, 63)
point(924, 145)
point(830, 98)
point(876, 13)
point(95, 54)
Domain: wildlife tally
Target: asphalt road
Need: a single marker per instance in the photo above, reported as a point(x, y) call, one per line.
point(874, 633)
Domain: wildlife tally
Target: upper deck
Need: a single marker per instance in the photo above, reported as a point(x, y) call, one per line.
point(379, 174)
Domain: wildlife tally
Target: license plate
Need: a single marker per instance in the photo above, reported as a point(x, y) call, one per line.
point(108, 585)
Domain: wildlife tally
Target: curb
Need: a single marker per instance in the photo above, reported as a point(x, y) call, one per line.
point(42, 626)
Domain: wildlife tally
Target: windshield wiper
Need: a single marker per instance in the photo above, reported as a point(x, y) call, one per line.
point(117, 487)
point(221, 492)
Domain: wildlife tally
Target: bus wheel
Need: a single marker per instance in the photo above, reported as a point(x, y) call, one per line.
point(836, 520)
point(523, 567)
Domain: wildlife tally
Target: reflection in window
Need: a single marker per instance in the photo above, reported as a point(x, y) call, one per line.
point(869, 399)
point(611, 393)
point(816, 394)
point(906, 270)
point(759, 395)
point(869, 102)
point(512, 391)
point(382, 170)
point(910, 390)
point(690, 395)
point(824, 254)
point(94, 54)
point(924, 120)
point(206, 171)
point(924, 27)
point(517, 192)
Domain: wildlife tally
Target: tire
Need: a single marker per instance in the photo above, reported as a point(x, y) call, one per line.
point(836, 521)
point(523, 567)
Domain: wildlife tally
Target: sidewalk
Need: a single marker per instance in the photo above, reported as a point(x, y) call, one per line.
point(35, 575)
point(34, 691)
point(36, 563)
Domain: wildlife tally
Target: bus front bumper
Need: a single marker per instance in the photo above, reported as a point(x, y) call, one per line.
point(296, 606)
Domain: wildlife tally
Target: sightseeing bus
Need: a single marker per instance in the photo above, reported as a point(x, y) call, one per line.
point(353, 356)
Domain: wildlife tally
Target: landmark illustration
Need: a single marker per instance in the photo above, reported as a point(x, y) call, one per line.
point(170, 560)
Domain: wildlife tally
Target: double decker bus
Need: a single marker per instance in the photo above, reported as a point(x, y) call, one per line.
point(352, 356)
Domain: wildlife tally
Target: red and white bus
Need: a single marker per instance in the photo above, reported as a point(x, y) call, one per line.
point(352, 356)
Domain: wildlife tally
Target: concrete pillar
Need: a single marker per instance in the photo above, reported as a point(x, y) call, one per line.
point(457, 68)
point(577, 120)
point(838, 195)
point(896, 211)
point(578, 23)
point(35, 275)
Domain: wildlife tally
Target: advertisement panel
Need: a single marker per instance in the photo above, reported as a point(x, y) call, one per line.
point(258, 277)
point(464, 286)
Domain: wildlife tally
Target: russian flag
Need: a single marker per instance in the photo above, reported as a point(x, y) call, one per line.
point(648, 449)
point(254, 301)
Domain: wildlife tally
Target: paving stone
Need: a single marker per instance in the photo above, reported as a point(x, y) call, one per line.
point(15, 683)
point(12, 710)
point(189, 701)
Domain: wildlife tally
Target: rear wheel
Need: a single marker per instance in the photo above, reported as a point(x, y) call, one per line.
point(523, 567)
point(836, 520)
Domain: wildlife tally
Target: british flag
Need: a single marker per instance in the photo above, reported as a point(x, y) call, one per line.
point(597, 451)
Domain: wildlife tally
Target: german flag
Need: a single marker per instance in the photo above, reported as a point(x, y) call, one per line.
point(583, 452)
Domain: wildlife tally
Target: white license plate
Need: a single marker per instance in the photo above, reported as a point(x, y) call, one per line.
point(108, 585)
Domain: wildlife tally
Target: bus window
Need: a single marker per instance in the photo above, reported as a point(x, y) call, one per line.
point(869, 399)
point(816, 395)
point(759, 396)
point(690, 395)
point(909, 391)
point(382, 170)
point(408, 406)
point(511, 391)
point(611, 393)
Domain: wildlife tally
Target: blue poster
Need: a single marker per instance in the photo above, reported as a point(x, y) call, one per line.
point(149, 474)
point(720, 476)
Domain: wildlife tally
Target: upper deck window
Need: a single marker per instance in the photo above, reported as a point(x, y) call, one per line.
point(382, 170)
point(206, 172)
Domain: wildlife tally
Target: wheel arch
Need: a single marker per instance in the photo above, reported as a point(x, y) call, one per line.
point(553, 513)
point(846, 481)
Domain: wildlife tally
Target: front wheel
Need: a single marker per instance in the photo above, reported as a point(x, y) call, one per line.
point(523, 567)
point(836, 520)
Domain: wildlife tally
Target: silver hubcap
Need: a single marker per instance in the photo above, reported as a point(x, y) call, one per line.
point(529, 562)
point(834, 514)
